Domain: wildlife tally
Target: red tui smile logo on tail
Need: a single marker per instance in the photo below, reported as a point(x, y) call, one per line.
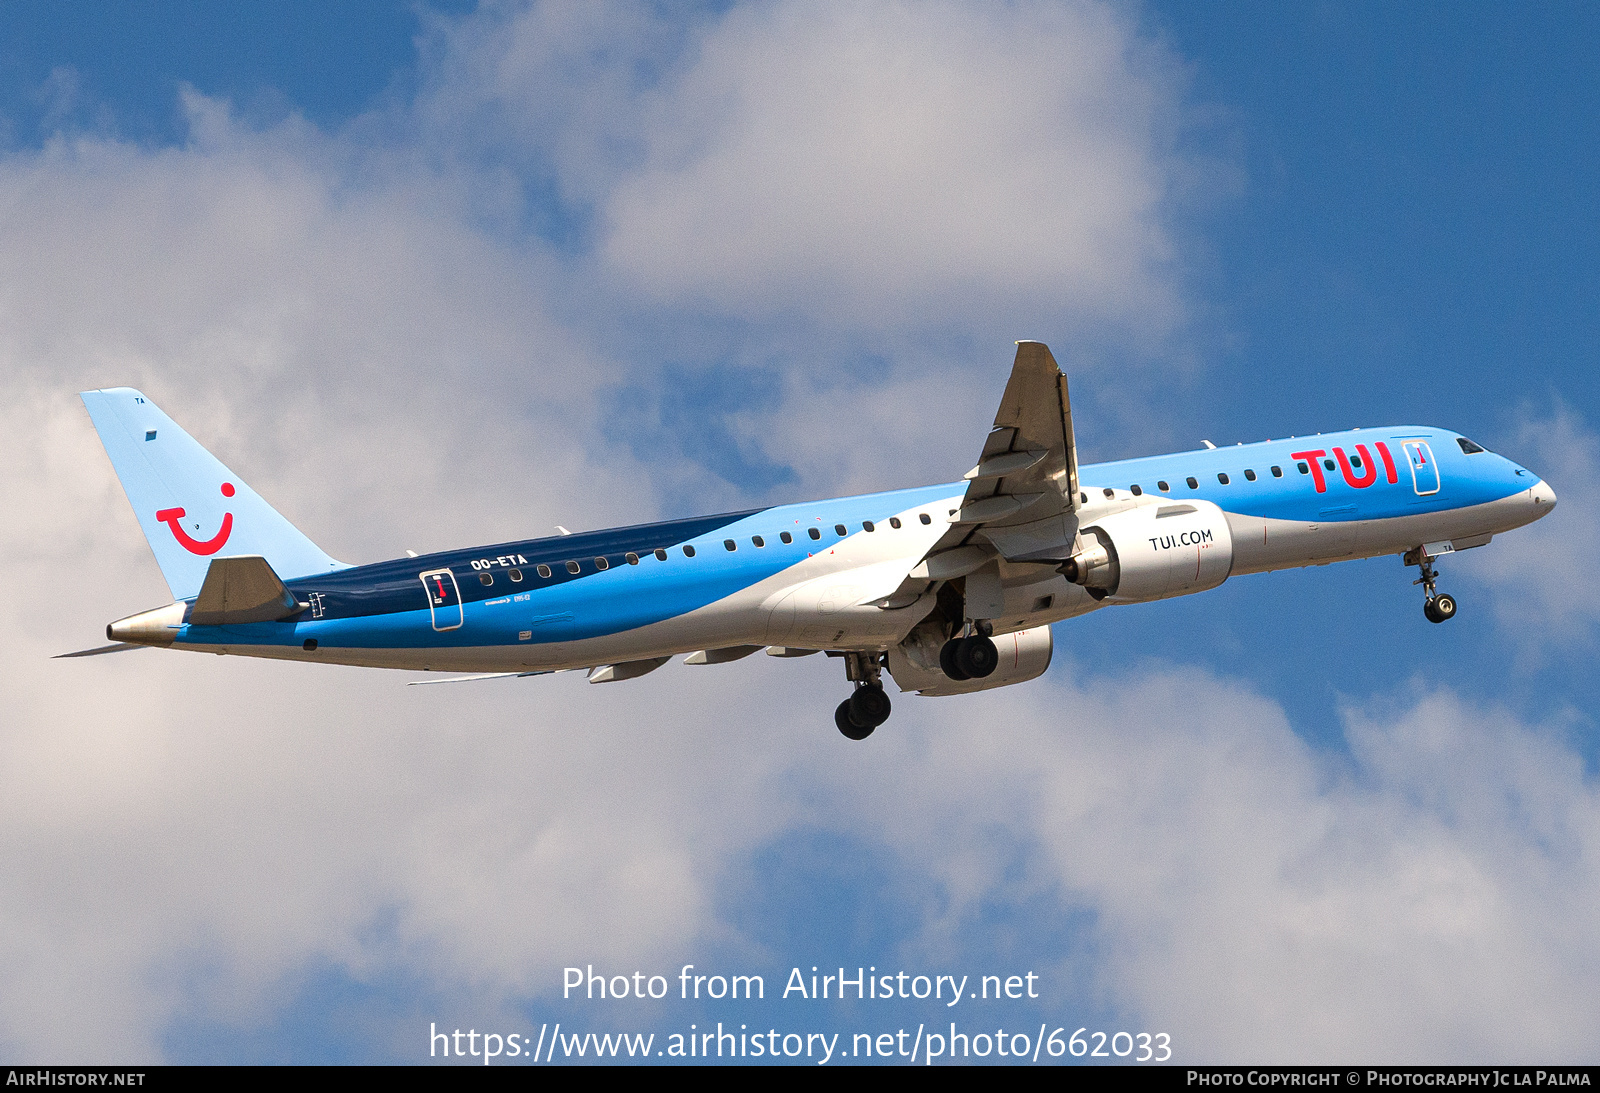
point(170, 517)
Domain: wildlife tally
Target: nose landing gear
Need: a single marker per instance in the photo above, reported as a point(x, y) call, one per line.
point(1436, 606)
point(868, 707)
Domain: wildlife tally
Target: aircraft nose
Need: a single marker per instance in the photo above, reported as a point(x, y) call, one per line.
point(1543, 496)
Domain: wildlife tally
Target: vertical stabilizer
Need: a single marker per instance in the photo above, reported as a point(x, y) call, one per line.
point(192, 508)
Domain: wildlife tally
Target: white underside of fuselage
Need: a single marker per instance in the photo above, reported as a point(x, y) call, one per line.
point(824, 602)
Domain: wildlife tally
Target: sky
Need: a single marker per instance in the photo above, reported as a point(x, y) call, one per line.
point(429, 275)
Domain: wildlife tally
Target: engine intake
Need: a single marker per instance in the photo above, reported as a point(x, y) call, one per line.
point(1153, 552)
point(914, 663)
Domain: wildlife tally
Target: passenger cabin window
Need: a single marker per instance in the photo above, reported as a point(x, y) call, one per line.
point(729, 544)
point(1328, 463)
point(633, 559)
point(1110, 493)
point(542, 569)
point(1355, 461)
point(1222, 478)
point(839, 528)
point(1163, 487)
point(1277, 472)
point(894, 521)
point(758, 540)
point(1083, 499)
point(516, 576)
point(1468, 447)
point(785, 536)
point(572, 567)
point(1302, 467)
point(601, 563)
point(688, 551)
point(925, 518)
point(486, 578)
point(1193, 485)
point(1135, 490)
point(866, 525)
point(814, 533)
point(661, 555)
point(1249, 475)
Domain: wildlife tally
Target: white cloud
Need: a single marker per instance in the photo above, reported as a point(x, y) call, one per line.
point(894, 165)
point(1432, 898)
point(1544, 587)
point(868, 200)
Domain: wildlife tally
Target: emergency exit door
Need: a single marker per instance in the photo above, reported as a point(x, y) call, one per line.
point(1424, 471)
point(444, 598)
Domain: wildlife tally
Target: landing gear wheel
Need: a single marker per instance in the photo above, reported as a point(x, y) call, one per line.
point(869, 706)
point(947, 659)
point(1442, 608)
point(852, 731)
point(977, 657)
point(1436, 606)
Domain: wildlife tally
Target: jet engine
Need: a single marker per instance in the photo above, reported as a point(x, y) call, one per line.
point(1152, 552)
point(914, 663)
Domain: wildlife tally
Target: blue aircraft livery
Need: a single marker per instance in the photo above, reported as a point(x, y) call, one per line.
point(949, 588)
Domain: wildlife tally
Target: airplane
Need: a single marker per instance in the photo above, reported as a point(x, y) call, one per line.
point(950, 589)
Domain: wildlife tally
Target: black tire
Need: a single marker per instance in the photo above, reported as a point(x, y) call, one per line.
point(977, 657)
point(1444, 605)
point(869, 706)
point(947, 659)
point(1430, 612)
point(852, 731)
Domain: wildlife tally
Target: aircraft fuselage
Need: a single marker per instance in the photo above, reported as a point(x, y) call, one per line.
point(767, 576)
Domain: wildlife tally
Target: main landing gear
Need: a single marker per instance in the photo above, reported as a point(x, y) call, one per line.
point(868, 707)
point(1436, 606)
point(971, 657)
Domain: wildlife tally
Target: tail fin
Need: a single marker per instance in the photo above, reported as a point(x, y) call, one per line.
point(189, 505)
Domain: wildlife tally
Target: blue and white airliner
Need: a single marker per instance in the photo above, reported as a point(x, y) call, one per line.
point(950, 588)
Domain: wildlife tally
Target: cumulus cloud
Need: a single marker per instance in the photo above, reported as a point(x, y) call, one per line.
point(908, 164)
point(871, 201)
point(1547, 593)
point(1427, 898)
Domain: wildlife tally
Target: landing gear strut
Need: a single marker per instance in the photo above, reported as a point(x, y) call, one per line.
point(971, 657)
point(868, 707)
point(1436, 606)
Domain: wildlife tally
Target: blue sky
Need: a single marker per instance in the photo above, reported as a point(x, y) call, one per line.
point(599, 264)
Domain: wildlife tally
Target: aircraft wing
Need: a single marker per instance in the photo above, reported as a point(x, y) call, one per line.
point(1022, 497)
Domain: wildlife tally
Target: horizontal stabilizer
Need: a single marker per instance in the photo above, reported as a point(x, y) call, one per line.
point(117, 648)
point(242, 589)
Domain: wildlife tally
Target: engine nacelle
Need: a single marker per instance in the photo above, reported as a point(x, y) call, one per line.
point(1153, 551)
point(914, 663)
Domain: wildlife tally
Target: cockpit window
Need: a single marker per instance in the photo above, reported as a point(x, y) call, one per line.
point(1468, 446)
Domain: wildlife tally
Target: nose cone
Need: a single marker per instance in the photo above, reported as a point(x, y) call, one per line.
point(1543, 497)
